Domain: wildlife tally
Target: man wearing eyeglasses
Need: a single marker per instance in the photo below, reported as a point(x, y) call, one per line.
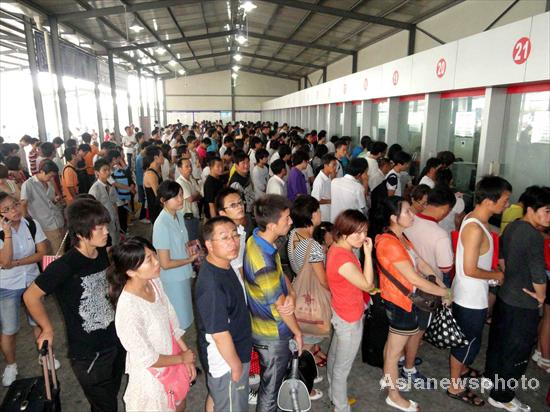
point(224, 330)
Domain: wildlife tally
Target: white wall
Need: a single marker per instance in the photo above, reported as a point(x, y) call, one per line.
point(466, 18)
point(212, 91)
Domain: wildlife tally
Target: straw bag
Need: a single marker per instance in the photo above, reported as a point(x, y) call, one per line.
point(47, 259)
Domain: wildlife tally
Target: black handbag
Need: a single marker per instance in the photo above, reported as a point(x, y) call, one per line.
point(375, 333)
point(422, 300)
point(444, 332)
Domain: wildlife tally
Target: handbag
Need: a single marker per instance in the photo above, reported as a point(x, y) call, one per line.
point(422, 300)
point(175, 378)
point(312, 308)
point(47, 259)
point(375, 333)
point(444, 332)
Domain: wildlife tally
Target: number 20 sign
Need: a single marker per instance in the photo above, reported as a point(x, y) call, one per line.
point(521, 50)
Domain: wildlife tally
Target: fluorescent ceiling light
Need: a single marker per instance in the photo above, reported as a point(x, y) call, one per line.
point(172, 62)
point(160, 50)
point(235, 68)
point(136, 28)
point(238, 57)
point(241, 39)
point(155, 25)
point(235, 75)
point(248, 6)
point(181, 71)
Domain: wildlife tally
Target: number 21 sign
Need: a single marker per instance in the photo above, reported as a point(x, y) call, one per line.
point(521, 50)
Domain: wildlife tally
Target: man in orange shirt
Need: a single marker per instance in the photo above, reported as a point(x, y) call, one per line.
point(69, 177)
point(89, 156)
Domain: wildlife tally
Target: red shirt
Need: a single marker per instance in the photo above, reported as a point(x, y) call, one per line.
point(547, 254)
point(346, 299)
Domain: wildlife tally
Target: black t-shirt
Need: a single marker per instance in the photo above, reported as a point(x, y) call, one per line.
point(80, 287)
point(522, 248)
point(221, 306)
point(244, 185)
point(212, 187)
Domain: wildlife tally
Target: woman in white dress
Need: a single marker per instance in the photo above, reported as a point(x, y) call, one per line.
point(144, 322)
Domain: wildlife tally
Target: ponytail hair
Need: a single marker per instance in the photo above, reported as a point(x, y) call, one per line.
point(128, 255)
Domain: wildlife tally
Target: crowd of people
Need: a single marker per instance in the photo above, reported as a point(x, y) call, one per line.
point(238, 212)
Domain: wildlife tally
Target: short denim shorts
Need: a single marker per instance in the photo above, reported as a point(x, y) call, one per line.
point(401, 322)
point(10, 303)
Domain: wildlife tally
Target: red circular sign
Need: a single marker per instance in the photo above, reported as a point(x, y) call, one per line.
point(365, 84)
point(522, 50)
point(395, 78)
point(441, 68)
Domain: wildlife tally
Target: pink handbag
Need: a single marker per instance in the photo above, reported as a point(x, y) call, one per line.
point(175, 378)
point(47, 259)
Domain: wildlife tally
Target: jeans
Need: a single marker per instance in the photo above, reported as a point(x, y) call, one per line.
point(512, 336)
point(100, 378)
point(141, 198)
point(229, 396)
point(129, 160)
point(346, 340)
point(274, 358)
point(10, 303)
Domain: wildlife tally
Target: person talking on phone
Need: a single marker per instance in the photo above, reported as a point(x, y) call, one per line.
point(22, 245)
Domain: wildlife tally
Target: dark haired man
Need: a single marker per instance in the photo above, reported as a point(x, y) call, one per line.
point(69, 177)
point(78, 279)
point(39, 200)
point(212, 186)
point(270, 297)
point(241, 181)
point(349, 192)
point(223, 320)
point(321, 185)
point(106, 194)
point(296, 183)
point(341, 148)
point(402, 161)
point(515, 315)
point(470, 285)
point(260, 173)
point(276, 184)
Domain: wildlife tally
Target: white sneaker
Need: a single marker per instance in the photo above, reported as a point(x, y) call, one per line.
point(252, 397)
point(254, 379)
point(9, 375)
point(536, 355)
point(145, 220)
point(55, 362)
point(514, 405)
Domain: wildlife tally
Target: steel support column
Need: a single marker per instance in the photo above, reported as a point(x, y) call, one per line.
point(39, 109)
point(164, 112)
point(232, 99)
point(130, 117)
point(324, 74)
point(157, 105)
point(354, 62)
point(412, 40)
point(58, 67)
point(97, 94)
point(141, 111)
point(428, 146)
point(112, 83)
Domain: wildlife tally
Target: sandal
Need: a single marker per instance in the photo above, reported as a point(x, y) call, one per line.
point(467, 396)
point(471, 373)
point(322, 362)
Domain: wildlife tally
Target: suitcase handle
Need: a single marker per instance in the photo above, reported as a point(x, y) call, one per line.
point(47, 358)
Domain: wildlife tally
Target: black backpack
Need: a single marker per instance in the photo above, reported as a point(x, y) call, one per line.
point(32, 228)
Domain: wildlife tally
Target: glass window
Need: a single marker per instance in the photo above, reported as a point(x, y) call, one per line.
point(380, 120)
point(525, 147)
point(339, 120)
point(459, 131)
point(133, 85)
point(87, 106)
point(17, 112)
point(409, 133)
point(358, 113)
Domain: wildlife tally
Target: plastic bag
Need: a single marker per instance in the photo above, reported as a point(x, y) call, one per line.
point(312, 308)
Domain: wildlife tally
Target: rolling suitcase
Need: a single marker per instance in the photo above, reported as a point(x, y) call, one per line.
point(38, 394)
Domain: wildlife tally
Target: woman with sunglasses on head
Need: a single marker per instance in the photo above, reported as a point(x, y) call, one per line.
point(347, 281)
point(148, 328)
point(170, 239)
point(22, 245)
point(396, 255)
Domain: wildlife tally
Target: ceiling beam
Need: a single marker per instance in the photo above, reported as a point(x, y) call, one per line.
point(297, 4)
point(279, 60)
point(182, 34)
point(174, 41)
point(130, 8)
point(197, 57)
point(299, 43)
point(224, 67)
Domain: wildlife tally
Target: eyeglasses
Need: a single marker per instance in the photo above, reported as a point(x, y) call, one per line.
point(10, 208)
point(234, 205)
point(423, 204)
point(226, 238)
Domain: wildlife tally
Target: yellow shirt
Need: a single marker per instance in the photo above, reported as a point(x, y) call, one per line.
point(514, 212)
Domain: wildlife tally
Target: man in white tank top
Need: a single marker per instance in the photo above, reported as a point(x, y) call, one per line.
point(474, 256)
